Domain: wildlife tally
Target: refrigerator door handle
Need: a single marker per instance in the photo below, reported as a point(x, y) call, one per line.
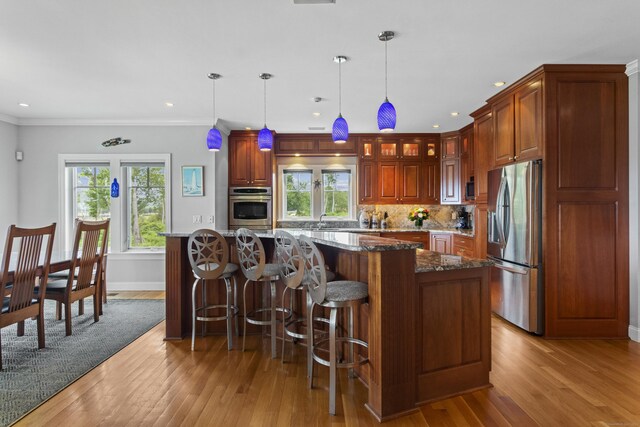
point(500, 213)
point(511, 269)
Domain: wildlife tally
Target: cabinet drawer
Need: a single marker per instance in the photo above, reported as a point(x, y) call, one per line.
point(464, 246)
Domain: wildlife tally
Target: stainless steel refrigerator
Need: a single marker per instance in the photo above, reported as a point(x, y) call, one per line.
point(514, 243)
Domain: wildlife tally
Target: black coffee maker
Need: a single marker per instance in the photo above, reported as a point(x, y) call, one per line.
point(463, 219)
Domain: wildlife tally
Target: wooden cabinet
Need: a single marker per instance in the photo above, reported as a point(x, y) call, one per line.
point(464, 246)
point(517, 124)
point(248, 166)
point(367, 182)
point(466, 162)
point(574, 117)
point(407, 169)
point(311, 145)
point(450, 170)
point(440, 242)
point(483, 152)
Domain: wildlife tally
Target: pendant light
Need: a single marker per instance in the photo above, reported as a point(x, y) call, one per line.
point(386, 112)
point(265, 138)
point(214, 137)
point(340, 131)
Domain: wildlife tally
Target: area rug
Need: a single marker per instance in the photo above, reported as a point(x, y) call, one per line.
point(31, 376)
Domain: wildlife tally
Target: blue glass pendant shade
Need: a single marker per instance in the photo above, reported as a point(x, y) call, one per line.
point(214, 139)
point(340, 131)
point(115, 188)
point(265, 139)
point(386, 117)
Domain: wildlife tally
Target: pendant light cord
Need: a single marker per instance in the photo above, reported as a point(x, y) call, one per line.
point(340, 88)
point(385, 70)
point(214, 102)
point(265, 102)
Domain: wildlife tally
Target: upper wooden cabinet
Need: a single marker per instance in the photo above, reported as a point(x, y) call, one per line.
point(483, 152)
point(517, 125)
point(248, 166)
point(466, 161)
point(450, 182)
point(310, 145)
point(399, 168)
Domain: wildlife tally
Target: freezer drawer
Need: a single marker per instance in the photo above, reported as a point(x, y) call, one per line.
point(516, 295)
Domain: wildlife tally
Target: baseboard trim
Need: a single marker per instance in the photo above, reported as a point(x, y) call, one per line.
point(135, 286)
point(634, 333)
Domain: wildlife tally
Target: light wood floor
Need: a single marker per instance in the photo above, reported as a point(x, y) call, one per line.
point(536, 382)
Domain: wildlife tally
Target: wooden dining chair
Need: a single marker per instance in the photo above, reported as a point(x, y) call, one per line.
point(87, 263)
point(24, 277)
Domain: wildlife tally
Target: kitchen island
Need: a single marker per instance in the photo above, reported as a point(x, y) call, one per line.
point(427, 322)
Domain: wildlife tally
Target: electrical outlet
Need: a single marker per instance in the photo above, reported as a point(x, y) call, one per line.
point(197, 219)
point(210, 219)
point(454, 215)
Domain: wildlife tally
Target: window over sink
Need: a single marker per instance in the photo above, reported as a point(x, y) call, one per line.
point(308, 191)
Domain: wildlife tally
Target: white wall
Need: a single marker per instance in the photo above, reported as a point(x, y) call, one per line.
point(38, 178)
point(634, 200)
point(8, 178)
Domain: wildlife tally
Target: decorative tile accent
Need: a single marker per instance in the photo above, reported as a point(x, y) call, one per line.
point(440, 216)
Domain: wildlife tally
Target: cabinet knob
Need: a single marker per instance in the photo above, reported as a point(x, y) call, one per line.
point(444, 157)
point(511, 158)
point(515, 157)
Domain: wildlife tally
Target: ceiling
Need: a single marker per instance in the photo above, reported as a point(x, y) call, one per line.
point(119, 61)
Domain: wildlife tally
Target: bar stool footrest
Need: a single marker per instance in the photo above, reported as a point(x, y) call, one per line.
point(250, 316)
point(347, 364)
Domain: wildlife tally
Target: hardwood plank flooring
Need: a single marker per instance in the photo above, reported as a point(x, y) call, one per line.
point(536, 382)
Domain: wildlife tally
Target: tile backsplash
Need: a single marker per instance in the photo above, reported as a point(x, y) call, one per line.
point(440, 216)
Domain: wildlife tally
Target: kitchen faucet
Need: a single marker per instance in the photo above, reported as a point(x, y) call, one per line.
point(320, 223)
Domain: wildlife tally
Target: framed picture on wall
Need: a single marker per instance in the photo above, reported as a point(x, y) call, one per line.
point(192, 181)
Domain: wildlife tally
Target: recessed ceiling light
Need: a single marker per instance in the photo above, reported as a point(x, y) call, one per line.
point(316, 114)
point(499, 84)
point(247, 128)
point(436, 126)
point(455, 113)
point(22, 104)
point(168, 104)
point(316, 99)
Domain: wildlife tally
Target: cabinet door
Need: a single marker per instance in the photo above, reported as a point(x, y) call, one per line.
point(483, 149)
point(367, 149)
point(431, 183)
point(287, 145)
point(388, 179)
point(240, 164)
point(451, 147)
point(418, 236)
point(431, 149)
point(450, 181)
point(388, 149)
point(440, 242)
point(260, 166)
point(410, 148)
point(367, 182)
point(410, 181)
point(503, 132)
point(466, 149)
point(528, 122)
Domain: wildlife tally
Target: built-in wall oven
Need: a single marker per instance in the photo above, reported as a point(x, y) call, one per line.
point(250, 207)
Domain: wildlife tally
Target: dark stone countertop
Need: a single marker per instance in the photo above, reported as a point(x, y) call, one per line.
point(427, 261)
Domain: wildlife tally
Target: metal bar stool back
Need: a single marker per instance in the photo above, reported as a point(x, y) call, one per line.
point(333, 295)
point(291, 260)
point(209, 258)
point(253, 263)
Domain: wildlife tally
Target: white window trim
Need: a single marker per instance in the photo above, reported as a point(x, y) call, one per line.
point(317, 196)
point(117, 227)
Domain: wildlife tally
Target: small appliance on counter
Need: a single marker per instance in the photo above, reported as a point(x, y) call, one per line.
point(464, 221)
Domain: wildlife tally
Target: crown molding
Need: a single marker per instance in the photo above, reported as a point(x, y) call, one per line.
point(9, 119)
point(632, 67)
point(110, 122)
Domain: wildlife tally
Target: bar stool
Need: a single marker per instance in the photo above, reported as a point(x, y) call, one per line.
point(209, 258)
point(292, 272)
point(333, 295)
point(252, 262)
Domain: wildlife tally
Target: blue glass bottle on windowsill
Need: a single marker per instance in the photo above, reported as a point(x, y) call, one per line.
point(115, 188)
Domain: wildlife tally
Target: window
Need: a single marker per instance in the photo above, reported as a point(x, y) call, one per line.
point(145, 205)
point(91, 191)
point(297, 193)
point(137, 216)
point(336, 190)
point(307, 191)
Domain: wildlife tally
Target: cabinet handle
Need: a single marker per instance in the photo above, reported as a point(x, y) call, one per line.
point(515, 157)
point(511, 158)
point(444, 157)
